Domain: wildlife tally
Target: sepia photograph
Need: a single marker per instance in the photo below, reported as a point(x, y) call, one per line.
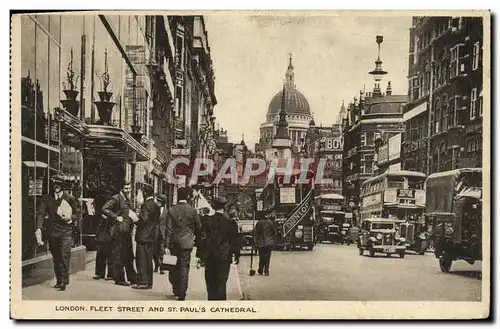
point(204, 164)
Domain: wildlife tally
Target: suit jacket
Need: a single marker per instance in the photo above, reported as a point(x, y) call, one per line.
point(219, 239)
point(182, 225)
point(161, 227)
point(149, 218)
point(50, 222)
point(265, 233)
point(116, 206)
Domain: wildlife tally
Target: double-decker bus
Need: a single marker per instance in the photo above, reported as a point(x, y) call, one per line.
point(292, 205)
point(333, 222)
point(399, 195)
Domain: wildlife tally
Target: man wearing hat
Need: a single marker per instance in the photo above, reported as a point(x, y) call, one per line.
point(264, 235)
point(218, 244)
point(56, 217)
point(159, 246)
point(182, 228)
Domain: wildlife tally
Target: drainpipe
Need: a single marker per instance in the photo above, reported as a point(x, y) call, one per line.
point(429, 125)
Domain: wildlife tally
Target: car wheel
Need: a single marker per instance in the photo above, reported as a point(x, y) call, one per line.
point(389, 255)
point(361, 251)
point(402, 254)
point(310, 247)
point(372, 251)
point(445, 264)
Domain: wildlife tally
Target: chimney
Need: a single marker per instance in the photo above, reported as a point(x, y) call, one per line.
point(389, 89)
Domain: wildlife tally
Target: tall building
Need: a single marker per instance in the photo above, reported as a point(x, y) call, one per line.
point(104, 100)
point(374, 116)
point(444, 114)
point(298, 115)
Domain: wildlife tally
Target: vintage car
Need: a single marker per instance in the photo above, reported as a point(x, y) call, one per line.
point(379, 235)
point(245, 234)
point(334, 234)
point(416, 239)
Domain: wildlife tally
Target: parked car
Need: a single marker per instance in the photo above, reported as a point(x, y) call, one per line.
point(379, 235)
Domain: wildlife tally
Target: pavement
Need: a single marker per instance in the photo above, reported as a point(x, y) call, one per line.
point(338, 273)
point(83, 288)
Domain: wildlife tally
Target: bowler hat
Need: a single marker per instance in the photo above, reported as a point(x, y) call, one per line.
point(161, 198)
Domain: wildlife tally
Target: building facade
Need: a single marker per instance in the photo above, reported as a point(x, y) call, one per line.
point(443, 117)
point(103, 101)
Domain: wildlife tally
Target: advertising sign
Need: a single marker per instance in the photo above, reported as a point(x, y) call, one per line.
point(334, 144)
point(406, 193)
point(394, 147)
point(371, 200)
point(390, 196)
point(298, 214)
point(383, 153)
point(287, 195)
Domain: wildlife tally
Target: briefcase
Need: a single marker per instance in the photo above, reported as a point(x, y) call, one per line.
point(169, 262)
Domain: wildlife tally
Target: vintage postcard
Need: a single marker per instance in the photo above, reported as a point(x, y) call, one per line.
point(250, 165)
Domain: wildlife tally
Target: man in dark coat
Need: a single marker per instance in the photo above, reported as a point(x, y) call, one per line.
point(159, 246)
point(103, 257)
point(264, 235)
point(54, 220)
point(218, 244)
point(145, 237)
point(117, 211)
point(182, 227)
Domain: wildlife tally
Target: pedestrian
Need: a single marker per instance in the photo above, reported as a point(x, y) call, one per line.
point(264, 235)
point(182, 227)
point(159, 246)
point(56, 218)
point(145, 236)
point(218, 245)
point(103, 257)
point(117, 210)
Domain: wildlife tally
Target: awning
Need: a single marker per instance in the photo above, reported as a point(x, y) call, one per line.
point(115, 143)
point(35, 164)
point(415, 111)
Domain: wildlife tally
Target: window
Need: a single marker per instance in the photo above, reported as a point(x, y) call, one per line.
point(437, 118)
point(454, 62)
point(179, 50)
point(473, 98)
point(475, 56)
point(363, 139)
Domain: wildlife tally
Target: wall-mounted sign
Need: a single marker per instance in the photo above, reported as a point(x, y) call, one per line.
point(287, 195)
point(383, 153)
point(334, 143)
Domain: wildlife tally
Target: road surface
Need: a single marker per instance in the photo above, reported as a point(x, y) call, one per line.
point(339, 273)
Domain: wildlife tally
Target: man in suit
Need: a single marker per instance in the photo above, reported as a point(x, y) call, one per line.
point(159, 246)
point(145, 237)
point(103, 257)
point(218, 244)
point(58, 226)
point(264, 235)
point(182, 227)
point(117, 211)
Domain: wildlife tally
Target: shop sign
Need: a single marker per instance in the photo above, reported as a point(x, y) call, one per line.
point(35, 187)
point(287, 195)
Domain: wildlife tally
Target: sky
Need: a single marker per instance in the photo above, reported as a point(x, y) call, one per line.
point(332, 56)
